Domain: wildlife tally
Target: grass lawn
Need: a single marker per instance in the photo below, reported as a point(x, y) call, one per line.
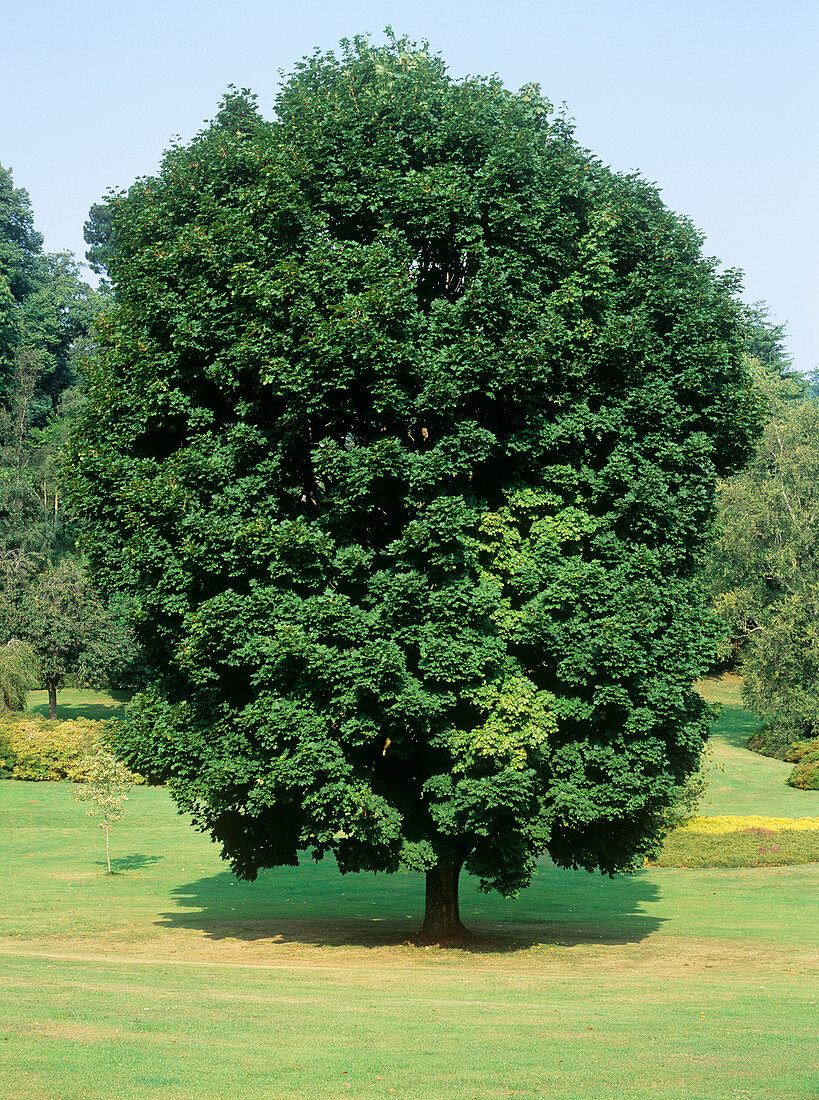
point(743, 784)
point(80, 703)
point(742, 781)
point(170, 979)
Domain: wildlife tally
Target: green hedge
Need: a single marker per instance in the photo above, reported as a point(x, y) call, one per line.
point(805, 755)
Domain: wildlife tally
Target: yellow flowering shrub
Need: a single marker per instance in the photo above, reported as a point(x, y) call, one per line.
point(751, 841)
point(34, 748)
point(731, 824)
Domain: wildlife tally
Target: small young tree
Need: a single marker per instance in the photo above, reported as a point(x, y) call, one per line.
point(106, 787)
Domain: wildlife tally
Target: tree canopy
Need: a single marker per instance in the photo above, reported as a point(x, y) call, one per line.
point(46, 312)
point(403, 437)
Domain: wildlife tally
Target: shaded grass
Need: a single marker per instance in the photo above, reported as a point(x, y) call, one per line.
point(172, 890)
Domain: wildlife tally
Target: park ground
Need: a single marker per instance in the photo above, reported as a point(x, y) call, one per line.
point(171, 979)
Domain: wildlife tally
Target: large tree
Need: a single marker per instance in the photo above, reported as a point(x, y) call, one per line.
point(404, 438)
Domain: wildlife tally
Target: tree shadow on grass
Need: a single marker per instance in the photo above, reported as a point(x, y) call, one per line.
point(735, 726)
point(80, 709)
point(310, 906)
point(120, 864)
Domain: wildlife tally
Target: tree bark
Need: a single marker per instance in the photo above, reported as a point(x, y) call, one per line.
point(442, 921)
point(52, 699)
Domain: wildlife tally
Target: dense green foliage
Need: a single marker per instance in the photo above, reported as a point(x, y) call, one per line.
point(44, 306)
point(404, 437)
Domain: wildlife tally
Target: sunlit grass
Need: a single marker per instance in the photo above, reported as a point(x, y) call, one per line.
point(743, 782)
point(80, 703)
point(171, 978)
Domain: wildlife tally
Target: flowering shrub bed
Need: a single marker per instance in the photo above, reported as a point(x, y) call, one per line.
point(34, 748)
point(742, 842)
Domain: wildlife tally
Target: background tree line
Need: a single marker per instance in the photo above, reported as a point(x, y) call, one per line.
point(764, 571)
point(53, 623)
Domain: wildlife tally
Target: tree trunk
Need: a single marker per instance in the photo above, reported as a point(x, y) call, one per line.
point(52, 698)
point(442, 921)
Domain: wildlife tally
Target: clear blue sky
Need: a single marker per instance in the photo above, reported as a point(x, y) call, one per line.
point(716, 102)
